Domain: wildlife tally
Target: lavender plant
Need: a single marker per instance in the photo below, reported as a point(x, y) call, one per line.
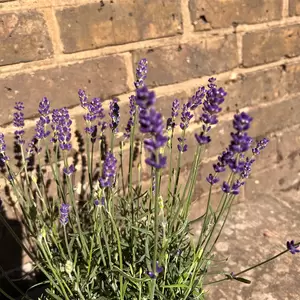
point(112, 237)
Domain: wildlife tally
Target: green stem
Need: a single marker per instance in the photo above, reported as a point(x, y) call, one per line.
point(252, 267)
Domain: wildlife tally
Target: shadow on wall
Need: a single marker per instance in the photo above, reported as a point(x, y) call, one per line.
point(11, 254)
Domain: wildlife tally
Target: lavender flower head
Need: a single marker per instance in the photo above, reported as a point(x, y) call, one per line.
point(3, 156)
point(69, 170)
point(141, 73)
point(61, 126)
point(18, 121)
point(292, 247)
point(44, 120)
point(132, 111)
point(109, 171)
point(64, 214)
point(214, 97)
point(95, 111)
point(83, 98)
point(154, 274)
point(145, 98)
point(151, 122)
point(114, 113)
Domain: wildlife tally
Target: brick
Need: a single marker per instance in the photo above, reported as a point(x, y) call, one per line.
point(24, 37)
point(282, 178)
point(270, 45)
point(94, 26)
point(208, 14)
point(285, 114)
point(294, 8)
point(172, 64)
point(253, 88)
point(61, 84)
point(292, 78)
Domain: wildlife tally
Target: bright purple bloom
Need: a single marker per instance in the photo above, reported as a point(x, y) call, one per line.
point(153, 275)
point(69, 170)
point(202, 139)
point(2, 143)
point(44, 120)
point(247, 167)
point(95, 111)
point(242, 122)
point(109, 171)
point(102, 201)
point(141, 73)
point(61, 126)
point(18, 122)
point(292, 247)
point(157, 163)
point(64, 213)
point(212, 179)
point(214, 97)
point(175, 108)
point(219, 168)
point(241, 142)
point(83, 98)
point(186, 117)
point(235, 189)
point(145, 98)
point(226, 187)
point(260, 146)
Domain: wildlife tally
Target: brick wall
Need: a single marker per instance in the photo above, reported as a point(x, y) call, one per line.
point(54, 47)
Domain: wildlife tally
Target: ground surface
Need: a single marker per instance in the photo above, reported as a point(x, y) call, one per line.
point(257, 229)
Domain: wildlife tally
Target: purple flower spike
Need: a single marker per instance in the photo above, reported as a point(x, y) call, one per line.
point(175, 108)
point(153, 275)
point(242, 122)
point(292, 247)
point(19, 106)
point(141, 73)
point(226, 187)
point(131, 118)
point(202, 139)
point(83, 98)
point(160, 163)
point(64, 213)
point(18, 122)
point(219, 168)
point(2, 143)
point(44, 120)
point(69, 170)
point(61, 126)
point(145, 98)
point(114, 113)
point(109, 171)
point(212, 179)
point(262, 144)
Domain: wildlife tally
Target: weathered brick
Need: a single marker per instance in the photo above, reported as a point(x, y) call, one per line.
point(207, 14)
point(284, 114)
point(23, 37)
point(284, 177)
point(294, 8)
point(61, 84)
point(253, 88)
point(270, 45)
point(172, 64)
point(94, 26)
point(292, 78)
